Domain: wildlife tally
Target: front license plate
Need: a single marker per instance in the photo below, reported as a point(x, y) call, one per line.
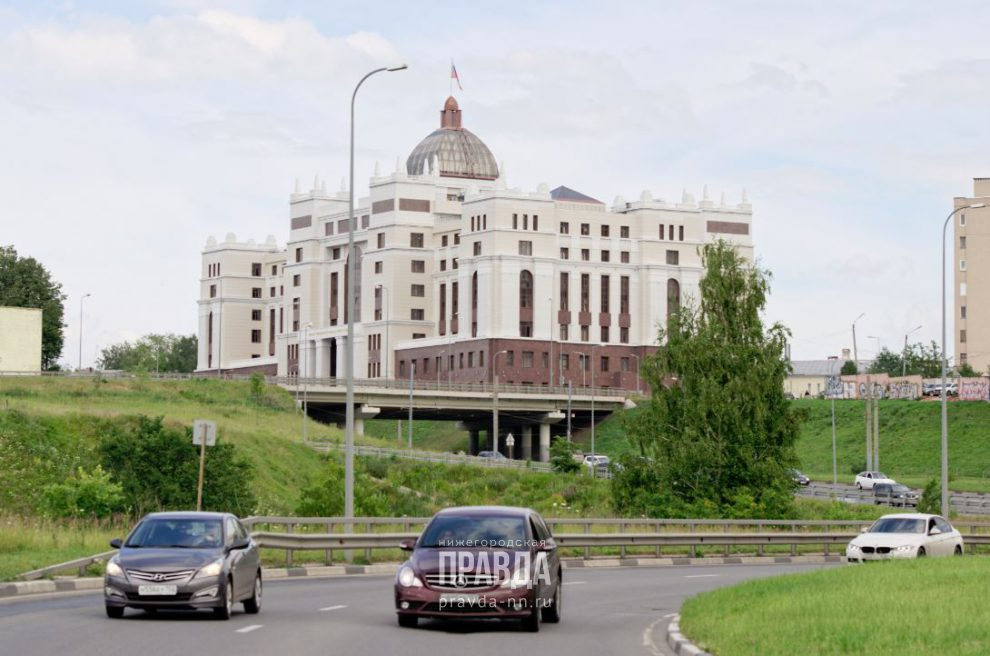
point(157, 590)
point(460, 598)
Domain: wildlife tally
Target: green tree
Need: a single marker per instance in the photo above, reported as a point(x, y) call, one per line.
point(849, 368)
point(158, 468)
point(87, 494)
point(718, 424)
point(887, 362)
point(924, 361)
point(966, 370)
point(562, 456)
point(161, 353)
point(25, 282)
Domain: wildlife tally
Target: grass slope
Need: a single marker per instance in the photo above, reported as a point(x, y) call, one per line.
point(927, 606)
point(909, 440)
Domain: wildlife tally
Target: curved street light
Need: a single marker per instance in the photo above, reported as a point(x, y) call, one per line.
point(904, 355)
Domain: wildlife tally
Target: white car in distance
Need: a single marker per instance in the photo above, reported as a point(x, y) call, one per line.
point(907, 535)
point(867, 479)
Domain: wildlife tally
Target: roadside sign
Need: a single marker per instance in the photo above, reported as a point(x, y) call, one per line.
point(509, 440)
point(203, 427)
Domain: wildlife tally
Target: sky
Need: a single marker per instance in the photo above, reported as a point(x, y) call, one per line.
point(132, 131)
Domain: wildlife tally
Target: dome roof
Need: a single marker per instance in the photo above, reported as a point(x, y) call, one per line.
point(458, 152)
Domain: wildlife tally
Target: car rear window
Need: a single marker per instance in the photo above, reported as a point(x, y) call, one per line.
point(474, 532)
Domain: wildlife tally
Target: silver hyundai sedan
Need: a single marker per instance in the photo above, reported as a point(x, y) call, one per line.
point(184, 560)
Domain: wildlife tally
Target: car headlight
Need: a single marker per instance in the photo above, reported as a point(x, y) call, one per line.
point(113, 569)
point(519, 579)
point(904, 548)
point(213, 569)
point(408, 579)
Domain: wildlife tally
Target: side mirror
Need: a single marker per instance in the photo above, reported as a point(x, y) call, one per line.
point(407, 545)
point(546, 545)
point(935, 531)
point(116, 543)
point(243, 543)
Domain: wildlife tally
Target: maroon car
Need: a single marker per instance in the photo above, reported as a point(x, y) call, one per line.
point(481, 562)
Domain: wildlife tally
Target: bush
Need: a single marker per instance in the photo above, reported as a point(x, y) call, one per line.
point(86, 495)
point(931, 498)
point(562, 456)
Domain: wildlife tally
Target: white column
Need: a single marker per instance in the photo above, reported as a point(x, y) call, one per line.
point(527, 443)
point(544, 442)
point(322, 360)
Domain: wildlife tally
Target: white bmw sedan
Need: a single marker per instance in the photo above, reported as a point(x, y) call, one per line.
point(908, 535)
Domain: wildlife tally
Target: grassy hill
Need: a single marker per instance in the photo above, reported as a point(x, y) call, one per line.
point(910, 434)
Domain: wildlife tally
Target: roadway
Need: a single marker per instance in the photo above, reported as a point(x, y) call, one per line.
point(606, 611)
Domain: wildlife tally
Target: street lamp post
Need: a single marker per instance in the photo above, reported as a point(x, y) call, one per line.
point(81, 299)
point(945, 407)
point(349, 307)
point(904, 354)
point(876, 416)
point(856, 363)
point(385, 302)
point(495, 398)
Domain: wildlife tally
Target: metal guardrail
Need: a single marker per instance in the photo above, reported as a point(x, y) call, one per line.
point(80, 564)
point(432, 456)
point(360, 383)
point(966, 503)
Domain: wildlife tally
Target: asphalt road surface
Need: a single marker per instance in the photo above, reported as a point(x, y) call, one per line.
point(605, 611)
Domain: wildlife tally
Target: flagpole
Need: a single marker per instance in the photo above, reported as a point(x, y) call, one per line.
point(451, 76)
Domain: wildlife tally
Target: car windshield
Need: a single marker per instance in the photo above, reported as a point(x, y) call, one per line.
point(176, 533)
point(879, 475)
point(479, 532)
point(898, 525)
point(900, 488)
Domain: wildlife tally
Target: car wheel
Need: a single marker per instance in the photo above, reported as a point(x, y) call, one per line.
point(227, 600)
point(532, 623)
point(115, 612)
point(958, 551)
point(552, 612)
point(921, 552)
point(408, 621)
point(253, 605)
point(860, 486)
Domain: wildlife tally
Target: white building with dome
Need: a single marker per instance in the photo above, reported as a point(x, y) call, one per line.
point(459, 275)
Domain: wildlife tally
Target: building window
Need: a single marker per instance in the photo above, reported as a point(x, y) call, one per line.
point(213, 291)
point(525, 248)
point(381, 240)
point(379, 266)
point(299, 254)
point(256, 336)
point(565, 228)
point(585, 254)
point(481, 358)
point(565, 253)
point(255, 315)
point(624, 295)
point(334, 294)
point(962, 358)
point(673, 257)
point(604, 334)
point(585, 229)
point(564, 329)
point(605, 294)
point(443, 265)
point(962, 265)
point(295, 315)
point(606, 256)
point(671, 233)
point(453, 263)
point(454, 297)
point(624, 232)
point(527, 359)
point(274, 269)
point(962, 312)
point(417, 290)
point(962, 219)
point(624, 335)
point(604, 230)
point(474, 306)
point(378, 303)
point(962, 336)
point(586, 292)
point(256, 269)
point(525, 289)
point(484, 225)
point(470, 359)
point(565, 290)
point(515, 221)
point(460, 360)
point(623, 364)
point(416, 314)
point(443, 241)
point(525, 221)
point(604, 363)
point(256, 292)
point(296, 279)
point(680, 233)
point(457, 238)
point(418, 266)
point(962, 243)
point(673, 296)
point(477, 248)
point(510, 358)
point(565, 362)
point(416, 239)
point(585, 333)
point(624, 257)
point(335, 253)
point(271, 292)
point(443, 309)
point(536, 222)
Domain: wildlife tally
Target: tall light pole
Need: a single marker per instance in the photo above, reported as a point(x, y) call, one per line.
point(904, 354)
point(856, 363)
point(349, 307)
point(385, 303)
point(304, 360)
point(945, 407)
point(495, 398)
point(81, 299)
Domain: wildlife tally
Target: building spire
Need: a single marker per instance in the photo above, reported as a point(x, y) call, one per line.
point(450, 116)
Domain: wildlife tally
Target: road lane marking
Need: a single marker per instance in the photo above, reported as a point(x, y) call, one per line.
point(648, 642)
point(332, 608)
point(249, 629)
point(701, 576)
point(668, 616)
point(574, 582)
